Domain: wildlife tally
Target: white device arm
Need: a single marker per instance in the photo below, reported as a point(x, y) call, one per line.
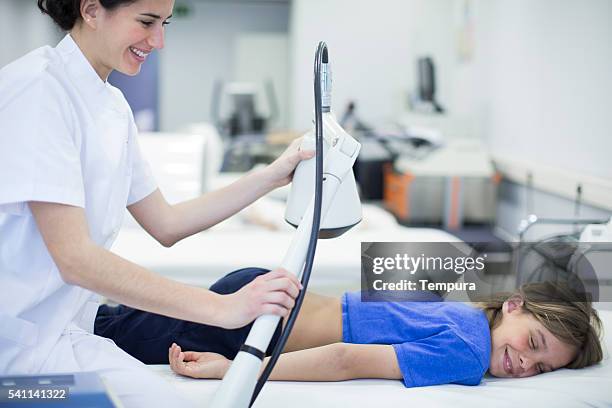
point(239, 382)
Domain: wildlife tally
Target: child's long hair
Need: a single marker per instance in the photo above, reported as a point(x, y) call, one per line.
point(557, 307)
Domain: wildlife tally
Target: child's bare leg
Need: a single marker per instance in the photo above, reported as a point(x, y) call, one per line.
point(319, 323)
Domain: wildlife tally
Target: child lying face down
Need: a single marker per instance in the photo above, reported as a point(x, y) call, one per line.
point(539, 329)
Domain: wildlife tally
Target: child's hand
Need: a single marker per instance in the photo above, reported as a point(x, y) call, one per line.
point(197, 365)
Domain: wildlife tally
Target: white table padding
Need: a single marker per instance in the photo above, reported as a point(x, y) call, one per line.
point(589, 387)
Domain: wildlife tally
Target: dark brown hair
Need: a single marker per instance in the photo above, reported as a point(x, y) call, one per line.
point(66, 13)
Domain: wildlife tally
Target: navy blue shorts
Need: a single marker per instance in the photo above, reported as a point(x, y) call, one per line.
point(147, 336)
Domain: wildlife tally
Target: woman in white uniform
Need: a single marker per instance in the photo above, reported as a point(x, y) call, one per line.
point(70, 165)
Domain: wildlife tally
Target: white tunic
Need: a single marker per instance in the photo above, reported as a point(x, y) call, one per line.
point(66, 137)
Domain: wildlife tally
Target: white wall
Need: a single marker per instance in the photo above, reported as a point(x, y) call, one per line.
point(516, 203)
point(260, 58)
point(539, 83)
point(543, 79)
point(201, 48)
point(373, 47)
point(23, 28)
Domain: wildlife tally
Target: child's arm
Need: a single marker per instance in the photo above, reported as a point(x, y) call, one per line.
point(333, 362)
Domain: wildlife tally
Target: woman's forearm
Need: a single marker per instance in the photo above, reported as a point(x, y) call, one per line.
point(193, 216)
point(105, 273)
point(80, 261)
point(171, 223)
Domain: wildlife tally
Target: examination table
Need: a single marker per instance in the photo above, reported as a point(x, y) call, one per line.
point(588, 387)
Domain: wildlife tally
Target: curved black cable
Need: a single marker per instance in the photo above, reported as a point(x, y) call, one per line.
point(320, 56)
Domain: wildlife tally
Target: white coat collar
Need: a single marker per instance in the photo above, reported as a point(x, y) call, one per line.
point(88, 82)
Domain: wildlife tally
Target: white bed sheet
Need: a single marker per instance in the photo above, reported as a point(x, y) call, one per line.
point(589, 387)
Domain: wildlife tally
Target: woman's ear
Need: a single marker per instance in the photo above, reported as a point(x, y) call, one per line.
point(89, 12)
point(514, 302)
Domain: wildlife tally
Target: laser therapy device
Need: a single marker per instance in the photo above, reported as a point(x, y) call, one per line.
point(323, 203)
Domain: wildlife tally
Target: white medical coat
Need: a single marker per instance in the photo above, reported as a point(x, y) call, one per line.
point(66, 137)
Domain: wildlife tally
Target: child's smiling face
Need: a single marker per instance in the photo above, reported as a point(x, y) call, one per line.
point(521, 346)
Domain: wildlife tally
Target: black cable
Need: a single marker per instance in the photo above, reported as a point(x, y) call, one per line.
point(321, 56)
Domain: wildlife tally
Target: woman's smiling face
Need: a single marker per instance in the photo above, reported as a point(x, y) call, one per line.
point(127, 34)
point(521, 346)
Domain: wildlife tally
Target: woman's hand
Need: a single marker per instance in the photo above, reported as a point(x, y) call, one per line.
point(271, 293)
point(197, 365)
point(281, 170)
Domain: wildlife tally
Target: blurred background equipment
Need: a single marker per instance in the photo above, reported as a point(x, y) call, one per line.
point(245, 127)
point(246, 116)
point(426, 91)
point(453, 185)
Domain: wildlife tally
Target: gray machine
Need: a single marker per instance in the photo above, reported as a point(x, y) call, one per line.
point(245, 117)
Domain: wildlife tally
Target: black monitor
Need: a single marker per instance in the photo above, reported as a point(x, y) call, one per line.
point(427, 82)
